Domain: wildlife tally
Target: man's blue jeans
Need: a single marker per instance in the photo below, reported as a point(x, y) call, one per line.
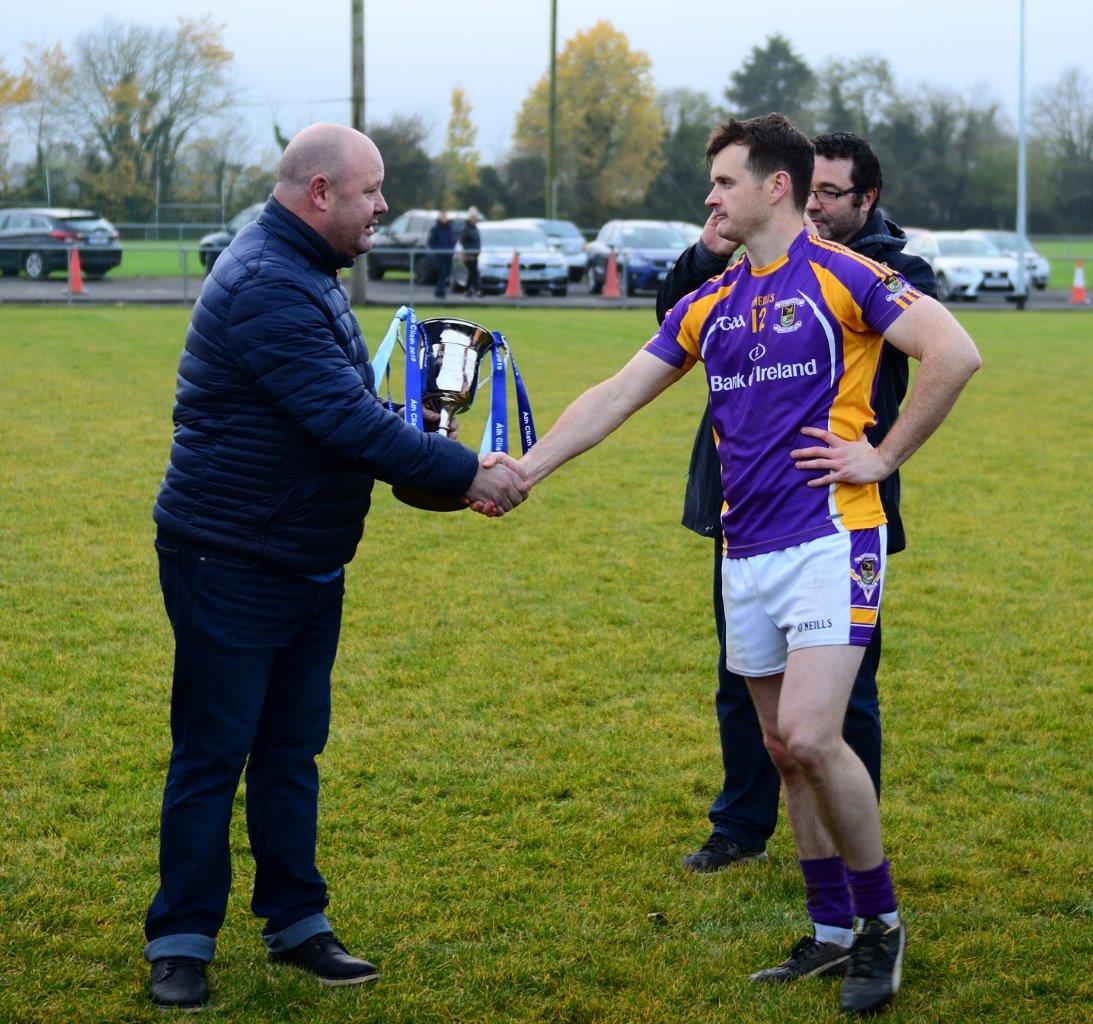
point(254, 647)
point(746, 809)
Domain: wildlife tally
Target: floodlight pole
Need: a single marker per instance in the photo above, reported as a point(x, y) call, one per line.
point(552, 155)
point(1024, 292)
point(357, 284)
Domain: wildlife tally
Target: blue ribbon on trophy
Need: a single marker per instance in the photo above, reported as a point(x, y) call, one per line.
point(443, 359)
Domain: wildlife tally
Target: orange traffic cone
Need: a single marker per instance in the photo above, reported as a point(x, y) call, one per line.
point(1078, 296)
point(75, 274)
point(611, 278)
point(512, 290)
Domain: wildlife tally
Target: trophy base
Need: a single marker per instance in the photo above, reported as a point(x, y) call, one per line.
point(427, 500)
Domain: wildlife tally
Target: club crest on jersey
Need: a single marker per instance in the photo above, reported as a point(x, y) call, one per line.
point(868, 575)
point(896, 286)
point(788, 321)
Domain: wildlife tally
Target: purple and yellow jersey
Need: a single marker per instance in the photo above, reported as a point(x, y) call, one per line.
point(791, 345)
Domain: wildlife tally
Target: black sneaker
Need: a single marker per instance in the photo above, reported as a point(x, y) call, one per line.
point(873, 972)
point(719, 852)
point(809, 958)
point(325, 957)
point(178, 983)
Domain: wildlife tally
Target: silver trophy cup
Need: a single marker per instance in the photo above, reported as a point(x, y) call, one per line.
point(453, 350)
point(451, 353)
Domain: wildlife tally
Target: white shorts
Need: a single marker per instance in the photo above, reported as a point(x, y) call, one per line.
point(823, 593)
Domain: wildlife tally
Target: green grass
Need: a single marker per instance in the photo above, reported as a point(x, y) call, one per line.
point(515, 771)
point(1062, 252)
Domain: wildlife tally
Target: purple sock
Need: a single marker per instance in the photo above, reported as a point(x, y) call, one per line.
point(872, 891)
point(827, 894)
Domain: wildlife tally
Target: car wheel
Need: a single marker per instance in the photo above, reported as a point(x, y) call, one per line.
point(631, 289)
point(424, 272)
point(375, 270)
point(35, 265)
point(594, 286)
point(560, 293)
point(944, 292)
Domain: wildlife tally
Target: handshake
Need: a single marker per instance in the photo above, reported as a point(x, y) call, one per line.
point(500, 484)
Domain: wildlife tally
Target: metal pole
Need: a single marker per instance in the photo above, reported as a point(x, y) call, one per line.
point(552, 149)
point(358, 283)
point(1024, 292)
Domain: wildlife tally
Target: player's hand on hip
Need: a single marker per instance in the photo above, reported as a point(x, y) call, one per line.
point(852, 462)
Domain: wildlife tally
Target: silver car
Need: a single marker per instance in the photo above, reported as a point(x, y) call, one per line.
point(564, 236)
point(1038, 268)
point(542, 268)
point(965, 266)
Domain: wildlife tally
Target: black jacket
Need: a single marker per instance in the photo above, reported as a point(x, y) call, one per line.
point(278, 431)
point(470, 239)
point(879, 239)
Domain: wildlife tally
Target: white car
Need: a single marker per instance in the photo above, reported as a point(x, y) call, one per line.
point(562, 235)
point(965, 266)
point(542, 268)
point(1038, 268)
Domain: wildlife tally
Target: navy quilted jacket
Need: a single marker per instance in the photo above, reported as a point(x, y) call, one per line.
point(278, 434)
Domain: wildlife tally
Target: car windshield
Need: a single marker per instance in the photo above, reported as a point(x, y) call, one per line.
point(87, 224)
point(652, 237)
point(967, 247)
point(512, 238)
point(560, 229)
point(241, 220)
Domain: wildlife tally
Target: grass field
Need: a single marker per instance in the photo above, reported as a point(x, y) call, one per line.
point(515, 770)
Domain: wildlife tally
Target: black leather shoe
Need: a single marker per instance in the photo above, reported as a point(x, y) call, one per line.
point(719, 852)
point(178, 983)
point(325, 957)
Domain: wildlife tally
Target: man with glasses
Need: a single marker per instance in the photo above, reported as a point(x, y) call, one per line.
point(843, 206)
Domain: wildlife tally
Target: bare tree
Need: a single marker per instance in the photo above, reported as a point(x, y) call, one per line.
point(1063, 115)
point(138, 93)
point(48, 71)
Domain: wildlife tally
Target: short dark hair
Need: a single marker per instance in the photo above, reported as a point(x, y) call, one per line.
point(774, 143)
point(865, 172)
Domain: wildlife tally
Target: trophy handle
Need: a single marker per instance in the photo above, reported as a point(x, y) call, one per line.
point(445, 420)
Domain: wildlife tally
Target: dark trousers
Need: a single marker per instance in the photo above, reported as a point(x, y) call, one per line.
point(443, 265)
point(254, 647)
point(746, 809)
point(474, 286)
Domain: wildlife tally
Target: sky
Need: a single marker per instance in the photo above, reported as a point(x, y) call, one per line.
point(292, 60)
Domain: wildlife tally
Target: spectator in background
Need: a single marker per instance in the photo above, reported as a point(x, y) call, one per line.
point(441, 242)
point(471, 241)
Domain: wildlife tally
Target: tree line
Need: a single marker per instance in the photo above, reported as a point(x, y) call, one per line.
point(139, 119)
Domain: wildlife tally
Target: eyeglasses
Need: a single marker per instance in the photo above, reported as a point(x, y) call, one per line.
point(825, 196)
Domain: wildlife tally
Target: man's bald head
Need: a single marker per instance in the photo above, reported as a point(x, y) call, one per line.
point(330, 177)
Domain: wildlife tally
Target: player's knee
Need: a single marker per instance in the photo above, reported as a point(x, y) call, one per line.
point(810, 750)
point(779, 753)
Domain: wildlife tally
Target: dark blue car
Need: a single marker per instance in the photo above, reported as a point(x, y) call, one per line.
point(645, 250)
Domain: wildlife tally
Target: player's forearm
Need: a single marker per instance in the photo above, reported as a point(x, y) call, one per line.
point(583, 425)
point(942, 374)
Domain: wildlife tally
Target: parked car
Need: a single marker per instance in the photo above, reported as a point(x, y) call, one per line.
point(690, 233)
point(1037, 267)
point(966, 266)
point(37, 241)
point(645, 250)
point(564, 236)
point(542, 268)
point(404, 241)
point(214, 244)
